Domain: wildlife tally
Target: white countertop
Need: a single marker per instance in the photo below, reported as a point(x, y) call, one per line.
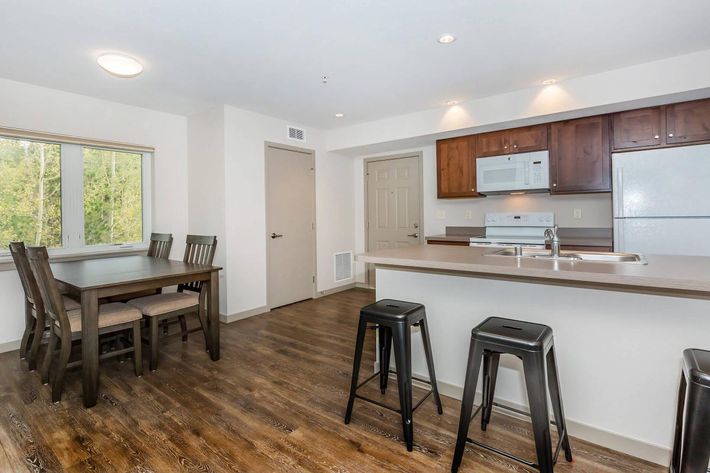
point(684, 275)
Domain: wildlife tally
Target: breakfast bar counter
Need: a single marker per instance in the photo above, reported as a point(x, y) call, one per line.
point(619, 328)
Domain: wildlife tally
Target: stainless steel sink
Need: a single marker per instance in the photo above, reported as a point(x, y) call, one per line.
point(565, 255)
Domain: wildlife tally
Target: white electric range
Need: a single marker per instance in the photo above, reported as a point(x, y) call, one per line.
point(515, 229)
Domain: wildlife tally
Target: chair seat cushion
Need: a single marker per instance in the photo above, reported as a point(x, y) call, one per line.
point(159, 304)
point(111, 314)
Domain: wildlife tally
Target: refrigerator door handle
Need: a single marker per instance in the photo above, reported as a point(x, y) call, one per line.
point(619, 244)
point(619, 193)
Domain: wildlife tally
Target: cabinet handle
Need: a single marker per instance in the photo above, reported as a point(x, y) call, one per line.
point(655, 137)
point(473, 190)
point(515, 146)
point(505, 146)
point(554, 184)
point(670, 135)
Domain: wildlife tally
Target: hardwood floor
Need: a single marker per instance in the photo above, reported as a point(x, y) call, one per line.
point(273, 403)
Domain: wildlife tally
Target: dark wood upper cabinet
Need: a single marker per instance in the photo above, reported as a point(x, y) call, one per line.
point(517, 140)
point(637, 128)
point(688, 122)
point(456, 167)
point(494, 143)
point(580, 156)
point(529, 138)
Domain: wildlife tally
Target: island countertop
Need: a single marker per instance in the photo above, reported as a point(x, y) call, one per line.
point(682, 275)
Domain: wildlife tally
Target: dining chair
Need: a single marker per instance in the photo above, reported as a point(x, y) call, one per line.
point(160, 245)
point(65, 326)
point(189, 298)
point(35, 324)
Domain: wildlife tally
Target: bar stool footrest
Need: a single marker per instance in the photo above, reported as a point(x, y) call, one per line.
point(385, 406)
point(491, 448)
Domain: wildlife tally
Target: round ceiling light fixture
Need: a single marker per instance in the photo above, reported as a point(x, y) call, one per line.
point(447, 38)
point(120, 65)
point(339, 115)
point(452, 102)
point(549, 81)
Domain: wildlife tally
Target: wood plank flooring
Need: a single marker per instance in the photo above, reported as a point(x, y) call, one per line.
point(274, 403)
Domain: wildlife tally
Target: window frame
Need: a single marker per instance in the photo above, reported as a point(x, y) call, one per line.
point(72, 198)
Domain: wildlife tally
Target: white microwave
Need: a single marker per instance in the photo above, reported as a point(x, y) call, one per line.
point(523, 172)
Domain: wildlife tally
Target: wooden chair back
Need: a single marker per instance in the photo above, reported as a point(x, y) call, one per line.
point(199, 249)
point(29, 284)
point(160, 245)
point(51, 297)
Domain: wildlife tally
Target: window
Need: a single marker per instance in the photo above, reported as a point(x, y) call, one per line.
point(73, 197)
point(30, 193)
point(112, 197)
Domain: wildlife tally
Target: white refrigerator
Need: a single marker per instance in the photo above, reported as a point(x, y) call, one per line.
point(661, 201)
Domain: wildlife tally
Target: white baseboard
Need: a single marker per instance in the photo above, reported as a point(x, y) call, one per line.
point(228, 319)
point(637, 448)
point(10, 346)
point(335, 290)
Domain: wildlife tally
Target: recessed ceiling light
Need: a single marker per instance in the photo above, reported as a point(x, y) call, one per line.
point(549, 81)
point(120, 65)
point(452, 102)
point(447, 38)
point(339, 115)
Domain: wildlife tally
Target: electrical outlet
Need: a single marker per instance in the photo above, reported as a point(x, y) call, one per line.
point(577, 213)
point(468, 215)
point(441, 214)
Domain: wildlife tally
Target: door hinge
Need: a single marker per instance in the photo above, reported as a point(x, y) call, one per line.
point(314, 278)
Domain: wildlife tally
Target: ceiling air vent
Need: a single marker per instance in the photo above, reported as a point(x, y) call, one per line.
point(298, 134)
point(343, 266)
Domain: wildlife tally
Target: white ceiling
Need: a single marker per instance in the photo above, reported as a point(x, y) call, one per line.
point(381, 57)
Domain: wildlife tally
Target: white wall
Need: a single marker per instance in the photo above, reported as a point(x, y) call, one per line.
point(596, 208)
point(244, 205)
point(41, 109)
point(205, 144)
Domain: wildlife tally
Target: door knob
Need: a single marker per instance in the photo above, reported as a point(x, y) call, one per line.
point(275, 235)
point(413, 235)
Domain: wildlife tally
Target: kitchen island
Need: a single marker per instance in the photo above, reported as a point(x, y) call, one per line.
point(620, 329)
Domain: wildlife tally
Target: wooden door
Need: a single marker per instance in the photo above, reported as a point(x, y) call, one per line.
point(688, 122)
point(494, 143)
point(529, 138)
point(456, 168)
point(637, 128)
point(580, 158)
point(393, 205)
point(290, 190)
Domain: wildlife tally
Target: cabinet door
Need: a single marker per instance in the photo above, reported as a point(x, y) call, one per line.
point(493, 144)
point(529, 138)
point(456, 168)
point(688, 122)
point(580, 157)
point(637, 128)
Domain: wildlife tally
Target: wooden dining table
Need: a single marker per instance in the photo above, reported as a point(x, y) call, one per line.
point(92, 280)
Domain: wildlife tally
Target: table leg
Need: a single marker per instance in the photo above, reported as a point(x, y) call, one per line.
point(90, 346)
point(213, 314)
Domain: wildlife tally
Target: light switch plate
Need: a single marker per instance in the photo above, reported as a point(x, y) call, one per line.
point(577, 213)
point(468, 215)
point(441, 214)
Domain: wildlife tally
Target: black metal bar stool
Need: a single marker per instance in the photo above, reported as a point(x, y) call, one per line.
point(533, 344)
point(691, 448)
point(394, 319)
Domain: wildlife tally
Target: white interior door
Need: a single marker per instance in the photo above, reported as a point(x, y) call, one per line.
point(393, 205)
point(290, 190)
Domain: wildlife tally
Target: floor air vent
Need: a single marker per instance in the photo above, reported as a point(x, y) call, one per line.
point(298, 134)
point(343, 265)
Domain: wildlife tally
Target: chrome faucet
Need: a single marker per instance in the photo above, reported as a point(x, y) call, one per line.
point(551, 235)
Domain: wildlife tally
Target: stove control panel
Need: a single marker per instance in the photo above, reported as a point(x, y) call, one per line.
point(525, 219)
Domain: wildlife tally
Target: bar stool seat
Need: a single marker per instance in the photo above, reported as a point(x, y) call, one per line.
point(534, 345)
point(691, 449)
point(393, 319)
